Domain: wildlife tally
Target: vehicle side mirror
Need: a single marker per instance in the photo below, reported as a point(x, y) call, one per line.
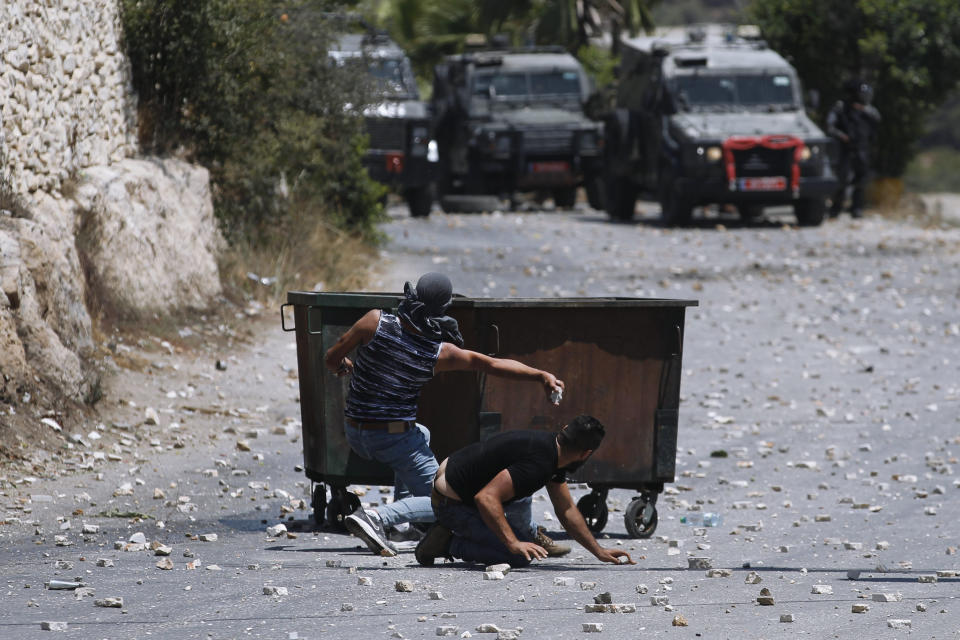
point(813, 99)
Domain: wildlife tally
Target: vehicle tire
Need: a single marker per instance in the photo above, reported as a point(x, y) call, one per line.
point(419, 201)
point(640, 518)
point(565, 198)
point(318, 502)
point(750, 212)
point(675, 210)
point(596, 193)
point(810, 212)
point(593, 508)
point(621, 198)
point(342, 503)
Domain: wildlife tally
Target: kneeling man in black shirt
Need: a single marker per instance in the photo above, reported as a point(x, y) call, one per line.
point(482, 496)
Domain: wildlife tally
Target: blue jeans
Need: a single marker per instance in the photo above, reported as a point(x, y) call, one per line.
point(413, 464)
point(473, 540)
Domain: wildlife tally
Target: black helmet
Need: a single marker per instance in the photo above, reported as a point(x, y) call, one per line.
point(858, 91)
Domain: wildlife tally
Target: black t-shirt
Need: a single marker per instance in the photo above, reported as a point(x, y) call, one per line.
point(529, 456)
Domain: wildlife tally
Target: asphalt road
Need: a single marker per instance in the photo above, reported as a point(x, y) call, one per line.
point(822, 361)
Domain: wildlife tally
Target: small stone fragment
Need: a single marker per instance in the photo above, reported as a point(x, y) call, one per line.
point(603, 598)
point(90, 528)
point(50, 625)
point(921, 607)
point(927, 578)
point(680, 621)
point(719, 573)
point(822, 589)
point(699, 563)
point(642, 589)
point(659, 601)
point(109, 603)
point(886, 597)
point(765, 598)
point(899, 623)
point(162, 550)
point(243, 445)
point(207, 537)
point(137, 538)
point(166, 564)
point(592, 627)
point(503, 568)
point(860, 608)
point(104, 562)
point(271, 590)
point(883, 545)
point(276, 530)
point(364, 581)
point(446, 630)
point(435, 595)
point(403, 586)
point(346, 606)
point(786, 617)
point(563, 582)
point(492, 575)
point(488, 628)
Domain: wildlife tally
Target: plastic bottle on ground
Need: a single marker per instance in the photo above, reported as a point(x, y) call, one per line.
point(702, 519)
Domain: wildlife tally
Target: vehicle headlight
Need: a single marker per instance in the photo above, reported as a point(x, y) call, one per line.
point(805, 153)
point(433, 152)
point(713, 154)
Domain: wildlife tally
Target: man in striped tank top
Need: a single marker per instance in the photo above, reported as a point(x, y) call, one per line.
point(396, 354)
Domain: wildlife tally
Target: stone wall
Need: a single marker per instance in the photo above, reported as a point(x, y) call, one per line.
point(65, 97)
point(135, 235)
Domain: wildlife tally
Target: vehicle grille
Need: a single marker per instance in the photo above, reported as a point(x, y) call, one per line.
point(547, 141)
point(760, 161)
point(387, 133)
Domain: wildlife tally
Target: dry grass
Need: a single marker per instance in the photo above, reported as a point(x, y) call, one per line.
point(307, 253)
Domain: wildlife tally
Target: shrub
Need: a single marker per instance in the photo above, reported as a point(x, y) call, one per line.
point(245, 88)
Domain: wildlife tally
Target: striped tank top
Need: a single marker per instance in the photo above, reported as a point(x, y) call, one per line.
point(389, 372)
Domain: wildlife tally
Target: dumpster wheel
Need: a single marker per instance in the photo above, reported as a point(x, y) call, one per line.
point(593, 508)
point(641, 518)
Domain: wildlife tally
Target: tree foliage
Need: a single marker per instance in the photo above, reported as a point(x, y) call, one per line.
point(428, 29)
point(909, 50)
point(245, 88)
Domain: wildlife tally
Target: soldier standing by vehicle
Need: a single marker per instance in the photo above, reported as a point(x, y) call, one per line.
point(396, 355)
point(853, 122)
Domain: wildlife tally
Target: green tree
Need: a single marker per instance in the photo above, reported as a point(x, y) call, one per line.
point(908, 49)
point(245, 88)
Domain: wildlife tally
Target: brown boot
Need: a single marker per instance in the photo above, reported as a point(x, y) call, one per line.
point(554, 550)
point(434, 544)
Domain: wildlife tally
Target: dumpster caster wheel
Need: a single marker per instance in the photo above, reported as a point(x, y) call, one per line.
point(641, 519)
point(593, 508)
point(342, 504)
point(318, 503)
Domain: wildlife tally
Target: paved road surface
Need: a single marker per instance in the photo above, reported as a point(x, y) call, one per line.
point(823, 361)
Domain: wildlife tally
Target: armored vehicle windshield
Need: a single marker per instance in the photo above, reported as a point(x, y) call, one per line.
point(736, 91)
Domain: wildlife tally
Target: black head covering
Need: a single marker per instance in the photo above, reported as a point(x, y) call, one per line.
point(425, 307)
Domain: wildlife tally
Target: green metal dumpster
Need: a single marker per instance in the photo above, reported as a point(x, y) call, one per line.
point(620, 359)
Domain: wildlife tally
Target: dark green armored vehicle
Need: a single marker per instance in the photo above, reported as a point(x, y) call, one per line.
point(402, 153)
point(710, 115)
point(511, 121)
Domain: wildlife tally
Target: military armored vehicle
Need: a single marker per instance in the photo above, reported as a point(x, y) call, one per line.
point(401, 152)
point(711, 115)
point(510, 121)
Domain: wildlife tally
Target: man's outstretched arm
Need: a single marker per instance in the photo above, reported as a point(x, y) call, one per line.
point(572, 520)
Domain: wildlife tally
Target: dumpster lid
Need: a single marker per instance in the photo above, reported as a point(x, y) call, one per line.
point(372, 300)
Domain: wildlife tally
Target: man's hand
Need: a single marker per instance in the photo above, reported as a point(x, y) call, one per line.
point(345, 368)
point(550, 384)
point(529, 550)
point(613, 556)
